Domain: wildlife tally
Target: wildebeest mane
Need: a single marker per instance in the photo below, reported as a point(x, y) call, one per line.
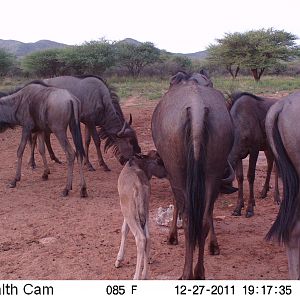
point(289, 208)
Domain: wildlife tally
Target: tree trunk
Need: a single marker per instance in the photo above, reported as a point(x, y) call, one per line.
point(255, 74)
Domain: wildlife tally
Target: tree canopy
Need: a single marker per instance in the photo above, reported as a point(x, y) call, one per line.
point(256, 50)
point(7, 61)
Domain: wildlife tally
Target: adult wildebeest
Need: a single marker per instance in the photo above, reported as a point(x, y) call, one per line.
point(284, 137)
point(40, 108)
point(193, 134)
point(99, 107)
point(248, 113)
point(134, 192)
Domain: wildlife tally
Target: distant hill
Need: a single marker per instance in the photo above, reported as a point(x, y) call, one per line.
point(196, 55)
point(21, 49)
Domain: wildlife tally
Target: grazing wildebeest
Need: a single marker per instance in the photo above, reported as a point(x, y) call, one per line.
point(40, 108)
point(193, 134)
point(248, 113)
point(134, 192)
point(284, 138)
point(99, 107)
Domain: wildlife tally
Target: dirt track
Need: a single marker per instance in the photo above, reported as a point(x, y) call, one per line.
point(44, 236)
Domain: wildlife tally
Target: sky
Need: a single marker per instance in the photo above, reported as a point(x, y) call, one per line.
point(179, 26)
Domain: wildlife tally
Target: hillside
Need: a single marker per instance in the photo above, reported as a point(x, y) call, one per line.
point(21, 49)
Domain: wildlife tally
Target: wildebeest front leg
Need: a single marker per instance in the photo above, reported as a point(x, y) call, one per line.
point(240, 179)
point(26, 132)
point(87, 138)
point(251, 177)
point(97, 143)
point(173, 234)
point(270, 160)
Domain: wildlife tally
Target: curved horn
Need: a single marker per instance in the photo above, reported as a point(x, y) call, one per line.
point(230, 178)
point(121, 132)
point(130, 120)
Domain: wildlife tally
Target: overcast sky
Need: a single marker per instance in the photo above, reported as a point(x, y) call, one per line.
point(177, 26)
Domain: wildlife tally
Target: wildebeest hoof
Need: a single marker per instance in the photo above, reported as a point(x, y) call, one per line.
point(65, 192)
point(249, 214)
point(214, 249)
point(90, 168)
point(55, 159)
point(117, 263)
point(172, 240)
point(45, 176)
point(263, 194)
point(12, 184)
point(105, 168)
point(83, 192)
point(236, 213)
point(33, 166)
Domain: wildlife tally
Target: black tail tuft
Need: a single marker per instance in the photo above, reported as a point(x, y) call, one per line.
point(195, 182)
point(287, 214)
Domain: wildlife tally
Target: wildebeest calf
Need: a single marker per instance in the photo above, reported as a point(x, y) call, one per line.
point(134, 193)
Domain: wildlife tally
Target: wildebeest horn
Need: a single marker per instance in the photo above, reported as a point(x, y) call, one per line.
point(130, 120)
point(121, 132)
point(230, 178)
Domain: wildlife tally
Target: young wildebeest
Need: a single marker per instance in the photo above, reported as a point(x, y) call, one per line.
point(40, 108)
point(248, 114)
point(134, 193)
point(99, 107)
point(284, 137)
point(193, 134)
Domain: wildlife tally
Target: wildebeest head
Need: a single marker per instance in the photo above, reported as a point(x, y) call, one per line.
point(200, 77)
point(124, 144)
point(151, 164)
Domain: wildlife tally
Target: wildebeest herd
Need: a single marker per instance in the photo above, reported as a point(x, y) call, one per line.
point(200, 144)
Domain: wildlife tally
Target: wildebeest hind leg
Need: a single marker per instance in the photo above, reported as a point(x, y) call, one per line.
point(49, 147)
point(70, 154)
point(97, 143)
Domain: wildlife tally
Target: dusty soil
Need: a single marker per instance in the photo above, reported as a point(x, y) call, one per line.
point(45, 236)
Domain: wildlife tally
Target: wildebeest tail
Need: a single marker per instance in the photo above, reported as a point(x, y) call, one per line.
point(288, 211)
point(195, 180)
point(75, 130)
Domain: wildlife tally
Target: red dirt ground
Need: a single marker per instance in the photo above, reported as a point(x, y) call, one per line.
point(45, 236)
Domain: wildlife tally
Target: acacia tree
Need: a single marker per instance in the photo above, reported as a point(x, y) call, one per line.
point(256, 50)
point(7, 61)
point(228, 53)
point(136, 57)
point(266, 48)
